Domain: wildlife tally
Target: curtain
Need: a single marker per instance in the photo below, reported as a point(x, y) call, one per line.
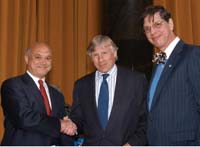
point(66, 25)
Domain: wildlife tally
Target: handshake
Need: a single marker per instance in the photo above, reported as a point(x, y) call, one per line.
point(68, 127)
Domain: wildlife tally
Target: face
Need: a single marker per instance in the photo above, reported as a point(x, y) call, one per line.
point(39, 60)
point(158, 31)
point(104, 57)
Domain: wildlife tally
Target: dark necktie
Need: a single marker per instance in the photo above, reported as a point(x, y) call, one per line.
point(154, 83)
point(103, 101)
point(45, 98)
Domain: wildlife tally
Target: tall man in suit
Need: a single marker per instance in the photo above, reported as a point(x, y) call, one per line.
point(28, 119)
point(174, 102)
point(126, 100)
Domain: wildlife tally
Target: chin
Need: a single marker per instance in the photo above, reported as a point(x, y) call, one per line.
point(103, 71)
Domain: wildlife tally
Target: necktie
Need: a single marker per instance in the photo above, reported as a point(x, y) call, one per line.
point(154, 83)
point(103, 101)
point(45, 98)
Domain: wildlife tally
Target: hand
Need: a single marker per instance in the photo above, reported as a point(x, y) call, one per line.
point(67, 118)
point(127, 144)
point(68, 127)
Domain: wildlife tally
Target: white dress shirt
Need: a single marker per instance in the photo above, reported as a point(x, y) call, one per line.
point(111, 86)
point(171, 47)
point(35, 79)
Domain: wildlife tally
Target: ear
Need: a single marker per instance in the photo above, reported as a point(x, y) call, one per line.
point(171, 24)
point(26, 59)
point(115, 54)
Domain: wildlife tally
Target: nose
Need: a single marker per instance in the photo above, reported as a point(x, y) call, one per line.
point(100, 57)
point(152, 30)
point(43, 61)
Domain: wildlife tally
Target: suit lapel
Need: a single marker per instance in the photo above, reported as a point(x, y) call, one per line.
point(168, 69)
point(53, 101)
point(91, 101)
point(118, 99)
point(93, 96)
point(33, 89)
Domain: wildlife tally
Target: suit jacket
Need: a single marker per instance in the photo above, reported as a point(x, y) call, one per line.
point(127, 122)
point(26, 122)
point(174, 118)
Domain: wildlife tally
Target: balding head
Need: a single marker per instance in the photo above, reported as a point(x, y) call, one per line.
point(38, 59)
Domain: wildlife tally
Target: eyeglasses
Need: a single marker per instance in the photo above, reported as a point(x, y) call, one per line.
point(156, 25)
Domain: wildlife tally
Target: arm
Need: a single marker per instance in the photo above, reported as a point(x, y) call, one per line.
point(138, 136)
point(70, 129)
point(76, 113)
point(194, 73)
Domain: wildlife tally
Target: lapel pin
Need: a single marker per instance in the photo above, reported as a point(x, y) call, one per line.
point(170, 66)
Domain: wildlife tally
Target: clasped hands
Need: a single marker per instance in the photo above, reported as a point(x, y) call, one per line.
point(68, 127)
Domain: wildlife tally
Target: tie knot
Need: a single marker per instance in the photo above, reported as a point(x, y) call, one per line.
point(105, 76)
point(159, 57)
point(40, 82)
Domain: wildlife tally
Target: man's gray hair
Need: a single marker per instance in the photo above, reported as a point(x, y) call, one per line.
point(98, 40)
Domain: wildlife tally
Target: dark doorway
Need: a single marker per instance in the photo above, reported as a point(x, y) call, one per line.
point(122, 24)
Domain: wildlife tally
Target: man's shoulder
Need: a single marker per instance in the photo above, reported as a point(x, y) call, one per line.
point(15, 81)
point(129, 72)
point(87, 77)
point(14, 78)
point(191, 51)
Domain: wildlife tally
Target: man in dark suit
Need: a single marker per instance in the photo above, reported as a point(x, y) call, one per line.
point(174, 98)
point(33, 117)
point(125, 110)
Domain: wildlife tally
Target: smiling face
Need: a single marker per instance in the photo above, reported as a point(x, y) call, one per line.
point(39, 59)
point(158, 31)
point(104, 56)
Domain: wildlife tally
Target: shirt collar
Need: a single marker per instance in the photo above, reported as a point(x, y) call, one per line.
point(171, 47)
point(35, 79)
point(110, 72)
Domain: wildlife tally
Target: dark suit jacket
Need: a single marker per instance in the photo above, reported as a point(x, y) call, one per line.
point(26, 122)
point(174, 118)
point(127, 122)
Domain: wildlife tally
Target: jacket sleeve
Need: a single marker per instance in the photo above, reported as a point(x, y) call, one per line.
point(76, 113)
point(138, 136)
point(194, 73)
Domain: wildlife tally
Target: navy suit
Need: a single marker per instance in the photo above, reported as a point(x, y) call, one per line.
point(26, 122)
point(127, 122)
point(174, 118)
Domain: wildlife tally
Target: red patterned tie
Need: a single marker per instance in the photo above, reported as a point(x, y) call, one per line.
point(45, 98)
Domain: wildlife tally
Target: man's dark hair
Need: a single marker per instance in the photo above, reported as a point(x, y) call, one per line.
point(151, 10)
